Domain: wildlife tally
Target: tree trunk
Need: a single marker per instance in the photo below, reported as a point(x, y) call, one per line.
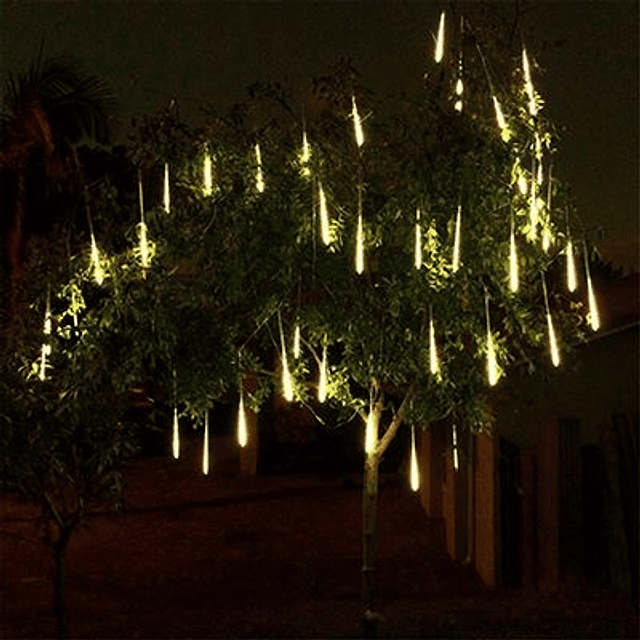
point(369, 544)
point(60, 582)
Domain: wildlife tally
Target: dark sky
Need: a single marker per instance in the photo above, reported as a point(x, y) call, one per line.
point(211, 51)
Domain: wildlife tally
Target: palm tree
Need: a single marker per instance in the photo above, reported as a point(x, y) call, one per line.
point(46, 113)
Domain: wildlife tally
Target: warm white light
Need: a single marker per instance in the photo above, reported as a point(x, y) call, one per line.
point(514, 281)
point(456, 242)
point(324, 215)
point(242, 423)
point(322, 384)
point(207, 176)
point(499, 115)
point(434, 363)
point(144, 247)
point(533, 109)
point(572, 281)
point(492, 366)
point(259, 178)
point(357, 123)
point(533, 207)
point(553, 345)
point(414, 474)
point(176, 434)
point(418, 247)
point(454, 437)
point(546, 239)
point(523, 186)
point(360, 246)
point(205, 446)
point(594, 315)
point(296, 342)
point(370, 435)
point(98, 272)
point(166, 198)
point(287, 382)
point(440, 41)
point(305, 155)
point(46, 347)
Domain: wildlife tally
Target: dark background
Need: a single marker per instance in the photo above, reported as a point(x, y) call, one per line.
point(198, 52)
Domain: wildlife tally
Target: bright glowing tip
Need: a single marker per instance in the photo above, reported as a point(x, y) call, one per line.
point(259, 177)
point(499, 115)
point(533, 109)
point(242, 424)
point(492, 367)
point(454, 438)
point(324, 216)
point(418, 247)
point(594, 314)
point(144, 245)
point(98, 272)
point(514, 282)
point(176, 434)
point(287, 382)
point(360, 247)
point(296, 342)
point(167, 197)
point(207, 177)
point(434, 364)
point(205, 446)
point(439, 52)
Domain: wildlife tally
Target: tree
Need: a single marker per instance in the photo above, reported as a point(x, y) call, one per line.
point(390, 251)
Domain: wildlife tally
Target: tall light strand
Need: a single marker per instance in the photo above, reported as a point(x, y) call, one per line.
point(324, 215)
point(553, 345)
point(434, 363)
point(439, 51)
point(242, 422)
point(492, 367)
point(259, 177)
point(454, 442)
point(305, 156)
point(296, 342)
point(176, 430)
point(360, 237)
point(418, 242)
point(322, 383)
point(98, 272)
point(572, 280)
point(456, 241)
point(594, 315)
point(357, 123)
point(205, 445)
point(45, 350)
point(207, 175)
point(514, 280)
point(459, 86)
point(414, 474)
point(144, 247)
point(287, 382)
point(546, 235)
point(533, 208)
point(167, 196)
point(499, 115)
point(533, 108)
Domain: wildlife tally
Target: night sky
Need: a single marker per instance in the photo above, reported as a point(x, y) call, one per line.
point(151, 52)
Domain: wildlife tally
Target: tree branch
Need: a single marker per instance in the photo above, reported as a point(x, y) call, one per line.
point(390, 433)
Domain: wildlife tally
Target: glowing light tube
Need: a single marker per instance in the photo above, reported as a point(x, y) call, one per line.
point(207, 176)
point(499, 115)
point(514, 281)
point(594, 314)
point(533, 109)
point(144, 247)
point(414, 474)
point(324, 215)
point(176, 434)
point(434, 364)
point(98, 272)
point(242, 423)
point(553, 344)
point(296, 342)
point(322, 384)
point(259, 178)
point(357, 123)
point(492, 367)
point(45, 350)
point(167, 198)
point(572, 281)
point(418, 242)
point(454, 438)
point(439, 52)
point(205, 446)
point(360, 246)
point(456, 241)
point(305, 155)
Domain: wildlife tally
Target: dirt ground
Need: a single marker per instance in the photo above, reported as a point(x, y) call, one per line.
point(275, 556)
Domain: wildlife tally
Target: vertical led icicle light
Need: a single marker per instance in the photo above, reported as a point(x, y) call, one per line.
point(572, 281)
point(414, 474)
point(98, 272)
point(322, 383)
point(205, 446)
point(594, 315)
point(176, 430)
point(144, 248)
point(357, 123)
point(533, 203)
point(454, 438)
point(456, 241)
point(514, 281)
point(259, 178)
point(492, 366)
point(207, 177)
point(499, 115)
point(434, 364)
point(242, 422)
point(305, 155)
point(360, 245)
point(459, 86)
point(324, 215)
point(46, 347)
point(167, 197)
point(533, 109)
point(296, 342)
point(418, 247)
point(553, 345)
point(287, 382)
point(439, 52)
